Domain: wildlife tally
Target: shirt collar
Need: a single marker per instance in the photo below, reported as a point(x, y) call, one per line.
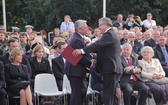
point(82, 36)
point(107, 29)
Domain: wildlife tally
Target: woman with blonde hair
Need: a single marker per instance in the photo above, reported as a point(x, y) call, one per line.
point(17, 78)
point(39, 63)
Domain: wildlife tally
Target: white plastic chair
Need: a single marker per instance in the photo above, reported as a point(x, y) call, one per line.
point(66, 88)
point(45, 85)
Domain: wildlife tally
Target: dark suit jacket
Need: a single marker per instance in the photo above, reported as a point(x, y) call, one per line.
point(25, 61)
point(137, 47)
point(58, 67)
point(122, 41)
point(96, 77)
point(108, 53)
point(37, 68)
point(126, 76)
point(77, 42)
point(159, 54)
point(116, 24)
point(150, 43)
point(15, 74)
point(2, 76)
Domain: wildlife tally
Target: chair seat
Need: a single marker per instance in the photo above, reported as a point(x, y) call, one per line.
point(50, 93)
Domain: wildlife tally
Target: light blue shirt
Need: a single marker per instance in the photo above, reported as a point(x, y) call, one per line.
point(165, 54)
point(66, 26)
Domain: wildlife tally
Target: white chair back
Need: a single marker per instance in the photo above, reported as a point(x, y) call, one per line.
point(45, 85)
point(66, 85)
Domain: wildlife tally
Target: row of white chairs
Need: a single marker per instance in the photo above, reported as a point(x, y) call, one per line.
point(45, 85)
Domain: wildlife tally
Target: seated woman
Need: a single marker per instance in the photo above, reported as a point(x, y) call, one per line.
point(17, 78)
point(153, 74)
point(39, 64)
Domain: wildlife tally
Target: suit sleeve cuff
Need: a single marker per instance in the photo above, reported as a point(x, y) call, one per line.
point(82, 51)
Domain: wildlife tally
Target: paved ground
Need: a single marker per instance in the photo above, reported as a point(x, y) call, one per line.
point(152, 102)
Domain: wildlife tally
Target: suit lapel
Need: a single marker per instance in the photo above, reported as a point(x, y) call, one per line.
point(61, 61)
point(124, 62)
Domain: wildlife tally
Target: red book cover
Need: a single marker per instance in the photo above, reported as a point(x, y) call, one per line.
point(67, 54)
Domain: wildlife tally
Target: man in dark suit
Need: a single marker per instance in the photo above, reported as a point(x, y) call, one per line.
point(136, 46)
point(58, 65)
point(119, 22)
point(12, 44)
point(152, 42)
point(77, 74)
point(3, 94)
point(125, 37)
point(108, 59)
point(130, 79)
point(160, 53)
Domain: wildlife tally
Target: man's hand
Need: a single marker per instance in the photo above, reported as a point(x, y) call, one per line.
point(76, 52)
point(127, 69)
point(93, 63)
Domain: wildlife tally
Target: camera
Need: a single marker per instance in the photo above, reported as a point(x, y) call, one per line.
point(136, 17)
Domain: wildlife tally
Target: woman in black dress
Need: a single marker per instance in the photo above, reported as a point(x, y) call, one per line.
point(17, 78)
point(38, 62)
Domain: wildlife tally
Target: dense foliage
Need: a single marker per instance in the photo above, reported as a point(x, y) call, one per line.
point(48, 14)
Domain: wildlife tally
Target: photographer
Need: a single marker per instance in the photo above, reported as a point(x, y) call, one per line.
point(132, 21)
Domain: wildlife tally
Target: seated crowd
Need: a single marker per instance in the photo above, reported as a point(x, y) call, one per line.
point(144, 59)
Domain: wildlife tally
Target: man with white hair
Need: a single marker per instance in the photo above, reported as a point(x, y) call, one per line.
point(77, 74)
point(153, 41)
point(136, 46)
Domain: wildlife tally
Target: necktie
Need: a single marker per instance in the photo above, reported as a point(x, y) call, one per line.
point(165, 54)
point(133, 75)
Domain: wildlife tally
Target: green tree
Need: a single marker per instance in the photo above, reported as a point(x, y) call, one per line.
point(48, 14)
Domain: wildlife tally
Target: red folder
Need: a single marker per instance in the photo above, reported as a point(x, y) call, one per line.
point(67, 54)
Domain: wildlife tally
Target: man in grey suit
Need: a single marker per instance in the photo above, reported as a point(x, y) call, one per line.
point(108, 59)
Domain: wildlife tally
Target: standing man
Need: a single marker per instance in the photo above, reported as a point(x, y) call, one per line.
point(29, 30)
point(108, 59)
point(77, 74)
point(119, 22)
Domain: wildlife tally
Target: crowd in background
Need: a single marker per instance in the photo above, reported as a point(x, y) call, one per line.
point(41, 55)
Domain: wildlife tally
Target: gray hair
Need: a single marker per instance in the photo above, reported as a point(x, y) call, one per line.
point(79, 23)
point(126, 45)
point(106, 20)
point(131, 33)
point(147, 48)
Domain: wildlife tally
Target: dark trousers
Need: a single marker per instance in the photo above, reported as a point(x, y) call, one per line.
point(59, 84)
point(78, 90)
point(109, 83)
point(3, 96)
point(139, 86)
